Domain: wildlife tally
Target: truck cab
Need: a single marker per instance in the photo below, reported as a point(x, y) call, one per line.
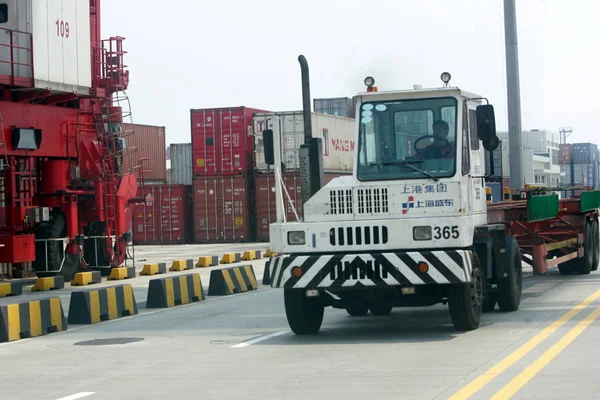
point(409, 226)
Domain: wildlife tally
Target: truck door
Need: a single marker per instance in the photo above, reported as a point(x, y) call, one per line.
point(466, 159)
point(477, 197)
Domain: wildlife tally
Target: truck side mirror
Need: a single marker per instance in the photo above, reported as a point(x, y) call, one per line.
point(269, 147)
point(486, 127)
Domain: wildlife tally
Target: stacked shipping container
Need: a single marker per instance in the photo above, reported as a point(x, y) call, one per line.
point(165, 219)
point(338, 106)
point(579, 165)
point(222, 174)
point(150, 142)
point(338, 155)
point(181, 163)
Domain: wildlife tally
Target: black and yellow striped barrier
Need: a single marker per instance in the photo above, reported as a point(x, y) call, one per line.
point(251, 255)
point(182, 265)
point(507, 194)
point(11, 289)
point(96, 305)
point(48, 283)
point(154, 269)
point(174, 291)
point(207, 261)
point(488, 195)
point(266, 280)
point(118, 274)
point(232, 280)
point(86, 278)
point(31, 319)
point(270, 254)
point(230, 258)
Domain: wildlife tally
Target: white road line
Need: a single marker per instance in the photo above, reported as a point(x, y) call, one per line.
point(77, 396)
point(260, 339)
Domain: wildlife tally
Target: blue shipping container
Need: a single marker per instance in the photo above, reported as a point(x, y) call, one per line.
point(496, 191)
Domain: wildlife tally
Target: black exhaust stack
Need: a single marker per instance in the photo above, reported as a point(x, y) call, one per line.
point(311, 152)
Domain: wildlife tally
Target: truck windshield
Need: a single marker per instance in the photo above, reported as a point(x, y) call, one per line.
point(409, 139)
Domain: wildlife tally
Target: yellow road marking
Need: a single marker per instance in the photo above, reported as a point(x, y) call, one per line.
point(521, 352)
point(532, 370)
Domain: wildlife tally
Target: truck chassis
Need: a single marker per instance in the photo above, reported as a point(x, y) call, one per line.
point(541, 231)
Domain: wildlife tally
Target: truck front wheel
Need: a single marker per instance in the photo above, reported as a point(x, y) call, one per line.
point(381, 309)
point(304, 314)
point(465, 301)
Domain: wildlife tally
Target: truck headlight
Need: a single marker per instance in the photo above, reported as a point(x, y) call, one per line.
point(296, 237)
point(422, 233)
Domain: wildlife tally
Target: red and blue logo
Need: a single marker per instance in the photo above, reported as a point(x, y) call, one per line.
point(408, 205)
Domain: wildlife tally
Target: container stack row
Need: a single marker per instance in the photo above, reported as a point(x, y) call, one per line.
point(337, 134)
point(217, 188)
point(579, 165)
point(223, 174)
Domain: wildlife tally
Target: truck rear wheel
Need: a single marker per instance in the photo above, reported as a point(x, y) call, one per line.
point(465, 301)
point(584, 264)
point(596, 242)
point(304, 314)
point(357, 310)
point(509, 288)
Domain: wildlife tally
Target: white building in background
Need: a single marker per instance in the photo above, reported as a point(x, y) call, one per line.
point(540, 156)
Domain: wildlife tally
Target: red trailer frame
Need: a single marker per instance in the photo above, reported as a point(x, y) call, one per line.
point(562, 235)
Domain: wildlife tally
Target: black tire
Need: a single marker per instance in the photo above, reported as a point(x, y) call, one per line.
point(465, 301)
point(489, 304)
point(583, 265)
point(510, 288)
point(304, 314)
point(596, 241)
point(381, 309)
point(53, 255)
point(357, 310)
point(566, 268)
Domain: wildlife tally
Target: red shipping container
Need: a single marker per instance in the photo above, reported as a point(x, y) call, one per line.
point(266, 211)
point(151, 143)
point(565, 153)
point(222, 141)
point(167, 219)
point(222, 209)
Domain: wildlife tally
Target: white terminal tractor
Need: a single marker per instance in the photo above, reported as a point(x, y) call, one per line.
point(409, 227)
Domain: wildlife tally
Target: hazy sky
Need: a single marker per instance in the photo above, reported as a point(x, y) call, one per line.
point(184, 54)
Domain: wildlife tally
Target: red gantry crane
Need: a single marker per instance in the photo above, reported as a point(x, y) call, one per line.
point(66, 197)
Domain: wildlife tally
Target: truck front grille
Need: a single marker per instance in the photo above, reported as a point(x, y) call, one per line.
point(340, 201)
point(358, 235)
point(358, 269)
point(373, 201)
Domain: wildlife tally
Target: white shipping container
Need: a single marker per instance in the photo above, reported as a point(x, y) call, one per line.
point(337, 134)
point(59, 33)
point(181, 163)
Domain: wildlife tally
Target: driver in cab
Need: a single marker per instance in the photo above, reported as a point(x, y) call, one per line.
point(441, 147)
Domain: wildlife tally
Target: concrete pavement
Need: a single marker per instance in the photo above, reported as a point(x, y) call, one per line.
point(240, 347)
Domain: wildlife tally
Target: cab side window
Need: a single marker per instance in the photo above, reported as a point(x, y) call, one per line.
point(473, 130)
point(3, 13)
point(466, 156)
